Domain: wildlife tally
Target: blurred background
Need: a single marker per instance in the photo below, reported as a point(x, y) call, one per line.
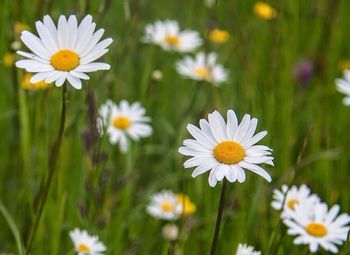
point(282, 66)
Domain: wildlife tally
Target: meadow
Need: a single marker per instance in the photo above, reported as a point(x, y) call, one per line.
point(98, 188)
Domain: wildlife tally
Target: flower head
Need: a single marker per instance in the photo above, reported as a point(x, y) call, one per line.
point(84, 244)
point(170, 232)
point(264, 11)
point(65, 52)
point(343, 86)
point(202, 68)
point(167, 35)
point(124, 121)
point(244, 249)
point(40, 85)
point(19, 27)
point(8, 59)
point(323, 228)
point(167, 205)
point(219, 36)
point(286, 199)
point(225, 149)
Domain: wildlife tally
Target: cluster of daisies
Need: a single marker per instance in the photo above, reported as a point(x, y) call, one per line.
point(310, 219)
point(202, 67)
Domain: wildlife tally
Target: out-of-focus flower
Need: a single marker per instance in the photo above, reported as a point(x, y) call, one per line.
point(123, 121)
point(244, 249)
point(286, 200)
point(167, 205)
point(157, 75)
point(40, 85)
point(170, 232)
point(188, 207)
point(324, 228)
point(8, 59)
point(219, 36)
point(202, 68)
point(84, 244)
point(167, 35)
point(344, 65)
point(343, 86)
point(303, 71)
point(264, 11)
point(66, 52)
point(225, 149)
point(19, 27)
point(16, 45)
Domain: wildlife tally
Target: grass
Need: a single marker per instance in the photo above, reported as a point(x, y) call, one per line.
point(109, 198)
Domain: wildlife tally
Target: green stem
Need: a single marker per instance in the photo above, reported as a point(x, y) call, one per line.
point(13, 228)
point(218, 219)
point(52, 167)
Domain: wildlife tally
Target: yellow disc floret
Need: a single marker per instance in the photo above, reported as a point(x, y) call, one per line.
point(167, 207)
point(121, 122)
point(316, 229)
point(172, 40)
point(202, 73)
point(65, 60)
point(292, 203)
point(83, 248)
point(229, 152)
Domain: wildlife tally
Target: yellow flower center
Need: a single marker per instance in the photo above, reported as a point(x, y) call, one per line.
point(121, 122)
point(65, 60)
point(229, 152)
point(203, 73)
point(167, 207)
point(316, 229)
point(174, 41)
point(264, 11)
point(291, 203)
point(219, 36)
point(83, 248)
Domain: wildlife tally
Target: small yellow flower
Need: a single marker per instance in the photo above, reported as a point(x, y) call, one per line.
point(41, 85)
point(344, 65)
point(188, 206)
point(219, 36)
point(19, 27)
point(264, 11)
point(8, 59)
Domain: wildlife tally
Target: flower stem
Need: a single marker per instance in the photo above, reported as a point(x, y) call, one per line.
point(218, 218)
point(52, 167)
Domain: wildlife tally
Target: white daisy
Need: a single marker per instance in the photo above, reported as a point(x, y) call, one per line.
point(295, 195)
point(325, 228)
point(84, 244)
point(123, 121)
point(202, 68)
point(65, 52)
point(225, 149)
point(164, 205)
point(343, 86)
point(244, 249)
point(167, 35)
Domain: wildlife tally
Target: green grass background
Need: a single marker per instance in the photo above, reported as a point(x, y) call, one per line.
point(109, 198)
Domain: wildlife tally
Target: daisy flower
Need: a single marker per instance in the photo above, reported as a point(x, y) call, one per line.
point(167, 35)
point(244, 249)
point(325, 228)
point(202, 68)
point(225, 149)
point(124, 121)
point(164, 205)
point(287, 199)
point(65, 52)
point(84, 244)
point(343, 86)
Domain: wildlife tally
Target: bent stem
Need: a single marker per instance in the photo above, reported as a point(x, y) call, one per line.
point(218, 219)
point(52, 167)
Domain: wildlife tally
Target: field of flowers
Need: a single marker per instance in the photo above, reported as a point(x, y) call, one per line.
point(174, 127)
